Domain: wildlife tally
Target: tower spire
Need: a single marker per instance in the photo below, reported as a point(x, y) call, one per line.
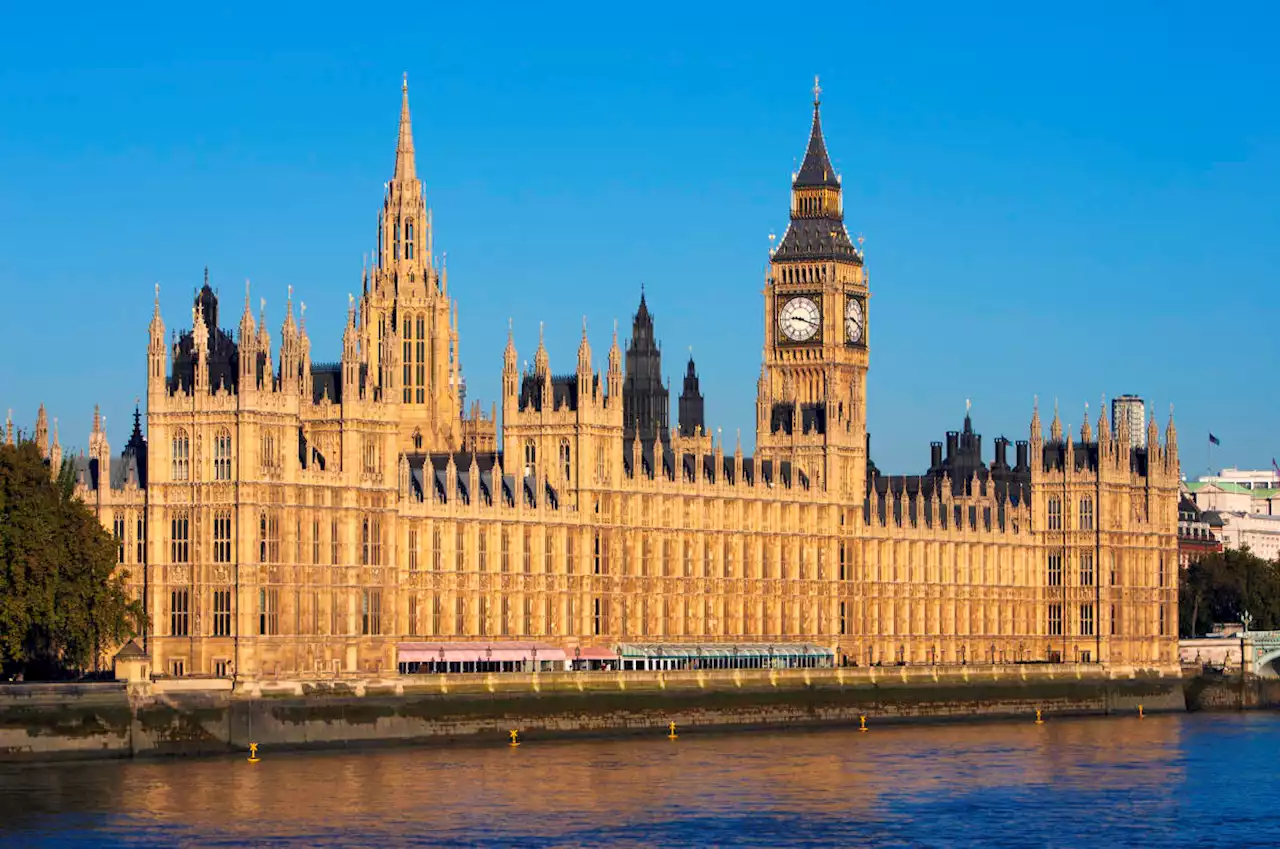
point(404, 145)
point(816, 168)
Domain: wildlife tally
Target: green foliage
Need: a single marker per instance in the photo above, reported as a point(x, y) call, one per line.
point(1221, 587)
point(62, 600)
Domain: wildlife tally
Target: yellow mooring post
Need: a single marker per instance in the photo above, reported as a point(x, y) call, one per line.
point(1039, 721)
point(863, 720)
point(1140, 712)
point(253, 753)
point(672, 732)
point(515, 737)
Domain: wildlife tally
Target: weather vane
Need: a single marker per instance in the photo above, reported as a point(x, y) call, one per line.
point(817, 91)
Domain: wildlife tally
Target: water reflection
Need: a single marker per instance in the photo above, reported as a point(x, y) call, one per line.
point(984, 784)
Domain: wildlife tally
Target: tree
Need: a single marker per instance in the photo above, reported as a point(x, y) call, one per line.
point(1220, 587)
point(62, 598)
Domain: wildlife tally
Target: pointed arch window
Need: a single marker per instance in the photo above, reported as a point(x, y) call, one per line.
point(566, 455)
point(1055, 514)
point(420, 360)
point(222, 455)
point(407, 359)
point(408, 239)
point(181, 456)
point(1086, 514)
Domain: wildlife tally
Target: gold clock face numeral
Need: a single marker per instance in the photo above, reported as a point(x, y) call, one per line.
point(854, 321)
point(800, 319)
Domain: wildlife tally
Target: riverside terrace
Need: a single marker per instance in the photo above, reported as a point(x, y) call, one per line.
point(507, 656)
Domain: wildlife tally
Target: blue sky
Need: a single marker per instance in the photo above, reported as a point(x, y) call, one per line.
point(1062, 201)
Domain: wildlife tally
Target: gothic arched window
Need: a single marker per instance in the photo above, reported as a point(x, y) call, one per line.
point(530, 454)
point(1055, 514)
point(1086, 514)
point(181, 456)
point(222, 455)
point(565, 457)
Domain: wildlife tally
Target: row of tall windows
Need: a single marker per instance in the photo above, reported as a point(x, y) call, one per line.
point(1086, 620)
point(1055, 514)
point(407, 232)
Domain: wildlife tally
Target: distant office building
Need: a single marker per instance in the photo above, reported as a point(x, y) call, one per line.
point(1130, 412)
point(1253, 479)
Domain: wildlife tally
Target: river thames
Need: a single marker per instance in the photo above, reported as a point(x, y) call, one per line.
point(1204, 780)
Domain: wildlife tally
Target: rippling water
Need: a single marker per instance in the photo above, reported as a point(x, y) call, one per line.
point(1163, 781)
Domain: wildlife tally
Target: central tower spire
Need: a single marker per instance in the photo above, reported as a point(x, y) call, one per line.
point(405, 171)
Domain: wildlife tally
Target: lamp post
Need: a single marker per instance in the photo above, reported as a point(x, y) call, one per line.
point(535, 658)
point(1247, 619)
point(577, 657)
point(442, 667)
point(963, 655)
point(771, 657)
point(488, 657)
point(993, 654)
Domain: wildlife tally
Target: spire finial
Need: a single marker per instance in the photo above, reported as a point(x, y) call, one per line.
point(584, 327)
point(817, 91)
point(404, 86)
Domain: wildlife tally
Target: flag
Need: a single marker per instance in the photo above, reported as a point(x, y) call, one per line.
point(1213, 440)
point(1274, 466)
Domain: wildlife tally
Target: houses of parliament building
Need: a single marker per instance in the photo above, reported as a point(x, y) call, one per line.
point(284, 516)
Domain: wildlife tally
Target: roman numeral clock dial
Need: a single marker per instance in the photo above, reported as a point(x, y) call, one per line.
point(799, 319)
point(854, 321)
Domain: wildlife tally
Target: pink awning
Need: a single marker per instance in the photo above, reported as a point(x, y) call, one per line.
point(498, 652)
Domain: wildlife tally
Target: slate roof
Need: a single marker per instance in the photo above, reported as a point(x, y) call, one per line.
point(816, 169)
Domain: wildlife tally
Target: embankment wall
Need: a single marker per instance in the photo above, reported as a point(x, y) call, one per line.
point(1216, 692)
point(186, 717)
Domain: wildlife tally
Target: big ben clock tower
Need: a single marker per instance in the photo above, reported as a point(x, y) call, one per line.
point(811, 407)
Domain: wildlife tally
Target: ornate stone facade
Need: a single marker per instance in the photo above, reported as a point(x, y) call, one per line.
point(285, 517)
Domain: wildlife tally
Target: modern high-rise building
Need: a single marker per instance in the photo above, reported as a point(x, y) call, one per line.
point(1128, 412)
point(287, 517)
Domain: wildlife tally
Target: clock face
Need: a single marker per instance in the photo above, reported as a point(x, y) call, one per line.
point(853, 320)
point(799, 319)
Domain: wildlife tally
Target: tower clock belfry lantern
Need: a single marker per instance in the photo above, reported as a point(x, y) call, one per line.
point(812, 402)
